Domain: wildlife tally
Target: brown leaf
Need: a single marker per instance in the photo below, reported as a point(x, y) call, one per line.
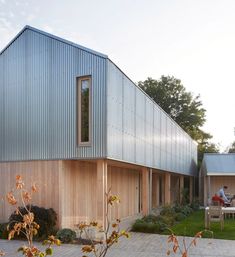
point(34, 188)
point(11, 198)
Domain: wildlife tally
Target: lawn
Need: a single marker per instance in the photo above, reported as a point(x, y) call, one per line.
point(195, 223)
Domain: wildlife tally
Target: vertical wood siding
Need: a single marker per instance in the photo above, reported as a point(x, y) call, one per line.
point(44, 173)
point(124, 183)
point(78, 192)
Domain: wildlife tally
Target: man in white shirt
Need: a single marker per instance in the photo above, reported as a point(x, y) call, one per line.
point(222, 194)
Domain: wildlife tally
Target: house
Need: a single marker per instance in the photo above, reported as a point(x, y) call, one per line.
point(216, 171)
point(72, 121)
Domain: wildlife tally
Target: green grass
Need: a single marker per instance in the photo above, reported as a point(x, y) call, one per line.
point(195, 223)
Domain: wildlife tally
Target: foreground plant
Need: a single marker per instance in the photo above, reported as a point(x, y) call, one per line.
point(111, 232)
point(28, 227)
point(184, 249)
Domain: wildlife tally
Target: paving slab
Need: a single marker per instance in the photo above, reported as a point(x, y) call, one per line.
point(139, 245)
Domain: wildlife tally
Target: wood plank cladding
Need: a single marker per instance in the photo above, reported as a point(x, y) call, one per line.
point(78, 183)
point(44, 173)
point(217, 182)
point(125, 183)
point(74, 188)
point(158, 189)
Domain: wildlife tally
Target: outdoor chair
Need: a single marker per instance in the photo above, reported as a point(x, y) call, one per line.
point(215, 203)
point(215, 214)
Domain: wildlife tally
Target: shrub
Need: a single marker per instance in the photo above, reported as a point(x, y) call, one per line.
point(167, 211)
point(150, 218)
point(179, 216)
point(3, 231)
point(66, 235)
point(186, 210)
point(144, 226)
point(45, 218)
point(168, 220)
point(185, 196)
point(177, 208)
point(195, 205)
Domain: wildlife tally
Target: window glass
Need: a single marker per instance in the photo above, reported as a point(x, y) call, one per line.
point(85, 92)
point(84, 110)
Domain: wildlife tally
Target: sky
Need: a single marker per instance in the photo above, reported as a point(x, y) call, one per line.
point(193, 40)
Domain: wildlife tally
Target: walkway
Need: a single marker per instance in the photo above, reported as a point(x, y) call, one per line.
point(140, 245)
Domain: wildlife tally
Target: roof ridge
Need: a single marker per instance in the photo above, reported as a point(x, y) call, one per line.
point(53, 37)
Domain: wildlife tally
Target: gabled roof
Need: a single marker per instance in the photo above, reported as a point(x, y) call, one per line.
point(219, 164)
point(53, 37)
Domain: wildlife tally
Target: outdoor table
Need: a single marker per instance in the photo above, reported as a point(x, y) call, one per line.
point(226, 210)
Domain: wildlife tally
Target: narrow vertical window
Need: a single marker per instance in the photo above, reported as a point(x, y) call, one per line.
point(84, 110)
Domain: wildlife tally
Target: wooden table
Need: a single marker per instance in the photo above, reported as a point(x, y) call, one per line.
point(226, 210)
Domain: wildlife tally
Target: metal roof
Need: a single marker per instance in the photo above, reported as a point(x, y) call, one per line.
point(219, 164)
point(54, 37)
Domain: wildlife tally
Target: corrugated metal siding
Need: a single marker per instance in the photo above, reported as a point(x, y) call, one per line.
point(38, 99)
point(2, 108)
point(216, 163)
point(140, 132)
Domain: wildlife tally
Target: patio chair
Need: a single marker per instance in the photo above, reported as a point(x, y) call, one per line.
point(215, 214)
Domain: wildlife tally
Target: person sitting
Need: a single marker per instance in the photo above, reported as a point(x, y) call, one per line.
point(222, 195)
point(221, 198)
point(217, 200)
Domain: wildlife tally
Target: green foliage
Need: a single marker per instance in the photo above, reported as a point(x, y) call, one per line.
point(144, 226)
point(232, 148)
point(181, 105)
point(3, 231)
point(180, 216)
point(49, 251)
point(195, 205)
point(45, 218)
point(177, 208)
point(195, 222)
point(167, 210)
point(168, 219)
point(185, 196)
point(205, 146)
point(186, 210)
point(169, 215)
point(66, 235)
point(150, 218)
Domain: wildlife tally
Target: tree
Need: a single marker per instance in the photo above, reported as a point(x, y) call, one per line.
point(183, 108)
point(232, 148)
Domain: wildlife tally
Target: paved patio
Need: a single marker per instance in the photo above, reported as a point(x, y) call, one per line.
point(140, 245)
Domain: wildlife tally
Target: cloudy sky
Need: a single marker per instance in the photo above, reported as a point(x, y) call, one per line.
point(193, 40)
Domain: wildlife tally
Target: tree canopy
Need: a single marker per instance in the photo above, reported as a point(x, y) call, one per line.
point(232, 148)
point(183, 108)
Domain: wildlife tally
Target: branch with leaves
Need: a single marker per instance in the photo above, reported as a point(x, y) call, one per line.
point(28, 227)
point(111, 232)
point(184, 249)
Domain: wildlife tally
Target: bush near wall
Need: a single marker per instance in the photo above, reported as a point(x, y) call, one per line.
point(169, 215)
point(66, 235)
point(45, 218)
point(3, 231)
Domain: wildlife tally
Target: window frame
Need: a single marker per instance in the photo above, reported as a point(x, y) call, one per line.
point(79, 110)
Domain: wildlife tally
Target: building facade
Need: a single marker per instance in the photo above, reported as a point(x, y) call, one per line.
point(75, 123)
point(217, 170)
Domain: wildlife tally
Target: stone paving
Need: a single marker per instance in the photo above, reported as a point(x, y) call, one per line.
point(140, 245)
